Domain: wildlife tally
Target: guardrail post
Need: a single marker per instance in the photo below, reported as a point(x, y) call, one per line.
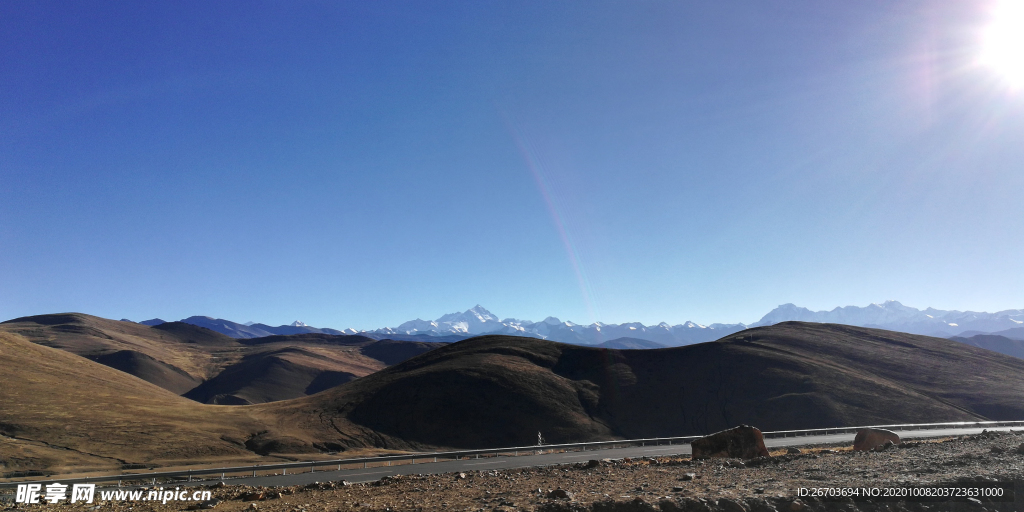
point(364, 465)
point(312, 468)
point(284, 471)
point(190, 475)
point(254, 471)
point(222, 476)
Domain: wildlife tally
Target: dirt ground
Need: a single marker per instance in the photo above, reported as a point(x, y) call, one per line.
point(654, 484)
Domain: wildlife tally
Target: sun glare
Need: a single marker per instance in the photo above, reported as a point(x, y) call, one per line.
point(1003, 44)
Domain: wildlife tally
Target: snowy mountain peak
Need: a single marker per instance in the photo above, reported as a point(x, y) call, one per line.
point(298, 324)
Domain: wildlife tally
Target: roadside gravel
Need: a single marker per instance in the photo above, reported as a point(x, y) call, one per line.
point(658, 484)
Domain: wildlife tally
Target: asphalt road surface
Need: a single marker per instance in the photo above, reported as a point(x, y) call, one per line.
point(489, 463)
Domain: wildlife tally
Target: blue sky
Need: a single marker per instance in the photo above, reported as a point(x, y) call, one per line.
point(358, 164)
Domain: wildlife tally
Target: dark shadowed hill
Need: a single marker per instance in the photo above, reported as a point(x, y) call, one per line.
point(283, 367)
point(148, 369)
point(500, 390)
point(1001, 344)
point(290, 366)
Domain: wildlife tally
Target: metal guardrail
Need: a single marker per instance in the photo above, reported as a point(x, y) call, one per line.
point(455, 455)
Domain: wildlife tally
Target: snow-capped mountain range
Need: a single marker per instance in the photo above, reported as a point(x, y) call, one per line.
point(890, 315)
point(477, 320)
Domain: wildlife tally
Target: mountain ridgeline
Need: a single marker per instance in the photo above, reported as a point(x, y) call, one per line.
point(476, 321)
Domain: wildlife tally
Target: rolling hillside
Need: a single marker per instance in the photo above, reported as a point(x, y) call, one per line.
point(211, 367)
point(501, 390)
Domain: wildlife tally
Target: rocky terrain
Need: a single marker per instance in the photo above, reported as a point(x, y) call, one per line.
point(663, 484)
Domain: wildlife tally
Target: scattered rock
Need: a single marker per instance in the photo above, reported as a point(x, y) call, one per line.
point(792, 451)
point(461, 476)
point(560, 494)
point(253, 496)
point(871, 438)
point(593, 463)
point(687, 476)
point(796, 506)
point(208, 504)
point(252, 506)
point(743, 442)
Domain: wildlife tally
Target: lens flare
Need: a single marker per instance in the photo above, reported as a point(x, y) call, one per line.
point(1003, 43)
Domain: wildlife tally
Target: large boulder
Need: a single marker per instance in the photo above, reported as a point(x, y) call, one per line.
point(743, 442)
point(873, 438)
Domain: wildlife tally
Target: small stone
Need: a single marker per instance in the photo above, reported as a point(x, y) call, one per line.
point(593, 463)
point(252, 506)
point(677, 489)
point(792, 451)
point(688, 476)
point(797, 506)
point(560, 494)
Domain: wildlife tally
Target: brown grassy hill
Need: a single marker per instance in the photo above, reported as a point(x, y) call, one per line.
point(154, 352)
point(501, 390)
point(283, 372)
point(289, 366)
point(58, 409)
point(213, 368)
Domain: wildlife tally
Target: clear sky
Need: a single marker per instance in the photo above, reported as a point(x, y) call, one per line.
point(358, 164)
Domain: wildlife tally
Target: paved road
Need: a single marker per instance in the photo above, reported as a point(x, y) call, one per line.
point(522, 461)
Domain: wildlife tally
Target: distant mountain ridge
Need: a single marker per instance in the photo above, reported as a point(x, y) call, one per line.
point(894, 316)
point(476, 321)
